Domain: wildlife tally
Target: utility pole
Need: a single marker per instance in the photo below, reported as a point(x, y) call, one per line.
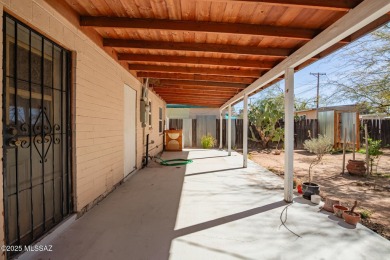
point(318, 75)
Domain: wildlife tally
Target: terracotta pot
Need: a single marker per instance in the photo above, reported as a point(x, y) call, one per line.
point(339, 210)
point(329, 202)
point(356, 167)
point(310, 189)
point(351, 218)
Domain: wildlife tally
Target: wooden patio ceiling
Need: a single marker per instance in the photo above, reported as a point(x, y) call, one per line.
point(203, 52)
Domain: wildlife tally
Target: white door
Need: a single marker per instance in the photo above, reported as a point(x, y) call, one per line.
point(130, 107)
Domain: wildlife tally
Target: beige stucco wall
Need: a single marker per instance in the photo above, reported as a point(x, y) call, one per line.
point(98, 105)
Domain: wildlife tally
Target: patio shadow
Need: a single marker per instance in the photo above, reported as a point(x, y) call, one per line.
point(222, 170)
point(227, 219)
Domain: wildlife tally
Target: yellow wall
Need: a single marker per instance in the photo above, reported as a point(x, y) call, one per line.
point(98, 105)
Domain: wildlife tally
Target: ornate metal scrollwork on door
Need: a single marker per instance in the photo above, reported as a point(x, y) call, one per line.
point(44, 134)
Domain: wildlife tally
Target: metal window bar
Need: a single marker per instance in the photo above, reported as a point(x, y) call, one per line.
point(64, 132)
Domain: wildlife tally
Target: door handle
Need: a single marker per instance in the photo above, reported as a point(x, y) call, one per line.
point(12, 142)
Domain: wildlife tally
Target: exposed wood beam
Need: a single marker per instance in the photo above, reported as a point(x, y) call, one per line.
point(198, 100)
point(194, 104)
point(189, 96)
point(195, 70)
point(196, 47)
point(195, 93)
point(199, 26)
point(196, 60)
point(197, 88)
point(197, 77)
point(333, 5)
point(202, 83)
point(171, 89)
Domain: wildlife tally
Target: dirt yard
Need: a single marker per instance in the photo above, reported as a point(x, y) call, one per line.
point(372, 193)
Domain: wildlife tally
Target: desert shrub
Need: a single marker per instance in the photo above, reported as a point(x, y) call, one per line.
point(208, 141)
point(374, 152)
point(366, 213)
point(319, 146)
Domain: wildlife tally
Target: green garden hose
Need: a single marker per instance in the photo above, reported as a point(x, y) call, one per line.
point(174, 162)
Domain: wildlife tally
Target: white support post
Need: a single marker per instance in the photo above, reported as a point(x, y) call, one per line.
point(220, 128)
point(289, 134)
point(245, 132)
point(230, 131)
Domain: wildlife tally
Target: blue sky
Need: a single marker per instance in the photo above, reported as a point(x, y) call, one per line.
point(306, 84)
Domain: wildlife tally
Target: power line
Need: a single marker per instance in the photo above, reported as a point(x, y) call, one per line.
point(318, 75)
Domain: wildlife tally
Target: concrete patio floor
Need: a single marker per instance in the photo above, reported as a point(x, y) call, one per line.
point(210, 209)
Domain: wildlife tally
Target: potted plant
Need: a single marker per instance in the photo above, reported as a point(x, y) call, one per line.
point(351, 217)
point(319, 146)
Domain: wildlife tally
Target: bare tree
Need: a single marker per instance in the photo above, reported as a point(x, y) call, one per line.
point(364, 75)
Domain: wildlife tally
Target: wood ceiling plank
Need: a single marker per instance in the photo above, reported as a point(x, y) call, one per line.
point(201, 83)
point(203, 10)
point(181, 96)
point(198, 26)
point(192, 101)
point(194, 104)
point(194, 97)
point(196, 47)
point(174, 9)
point(78, 7)
point(188, 10)
point(130, 8)
point(160, 9)
point(195, 92)
point(334, 5)
point(195, 77)
point(196, 88)
point(217, 11)
point(144, 8)
point(192, 70)
point(195, 60)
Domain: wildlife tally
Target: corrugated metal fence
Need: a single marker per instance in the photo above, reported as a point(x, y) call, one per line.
point(194, 129)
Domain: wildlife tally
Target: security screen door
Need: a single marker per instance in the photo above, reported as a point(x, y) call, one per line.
point(36, 133)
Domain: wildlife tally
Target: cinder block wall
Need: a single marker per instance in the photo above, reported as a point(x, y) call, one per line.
point(98, 104)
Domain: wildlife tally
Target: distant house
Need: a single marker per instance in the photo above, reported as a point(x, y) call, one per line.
point(312, 113)
point(335, 121)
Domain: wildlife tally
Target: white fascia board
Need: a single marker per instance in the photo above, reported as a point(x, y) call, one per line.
point(362, 15)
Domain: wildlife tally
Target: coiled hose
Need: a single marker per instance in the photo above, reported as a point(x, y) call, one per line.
point(174, 162)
